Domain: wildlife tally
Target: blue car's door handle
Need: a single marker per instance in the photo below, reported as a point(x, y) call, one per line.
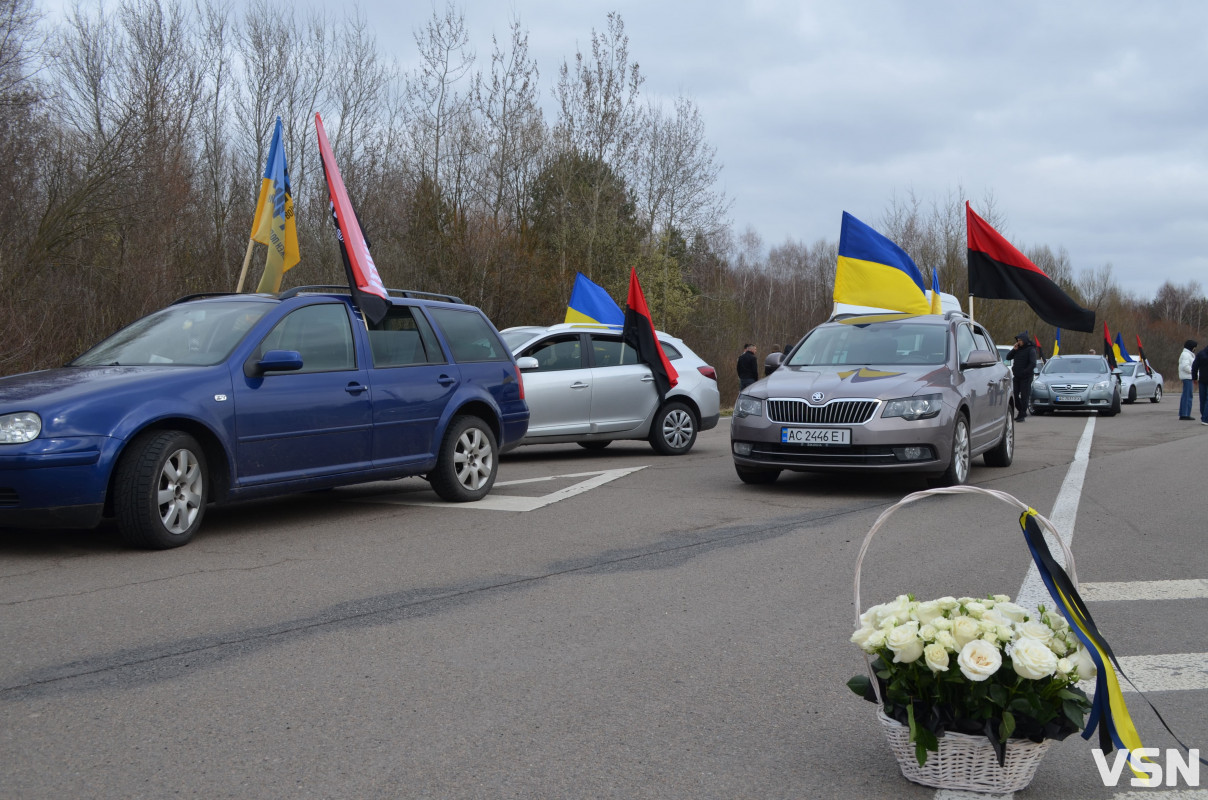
point(445, 380)
point(356, 388)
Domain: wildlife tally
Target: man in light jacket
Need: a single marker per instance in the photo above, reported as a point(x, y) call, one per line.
point(1186, 358)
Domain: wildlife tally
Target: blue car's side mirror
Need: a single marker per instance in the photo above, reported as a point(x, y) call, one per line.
point(275, 361)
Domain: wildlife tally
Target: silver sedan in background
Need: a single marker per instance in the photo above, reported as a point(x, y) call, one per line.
point(1139, 380)
point(1076, 383)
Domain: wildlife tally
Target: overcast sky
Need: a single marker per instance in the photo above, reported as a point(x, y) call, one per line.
point(1087, 121)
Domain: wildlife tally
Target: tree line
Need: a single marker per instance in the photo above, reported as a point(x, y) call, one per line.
point(134, 135)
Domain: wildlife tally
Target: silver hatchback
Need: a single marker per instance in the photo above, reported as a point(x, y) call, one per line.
point(889, 393)
point(584, 385)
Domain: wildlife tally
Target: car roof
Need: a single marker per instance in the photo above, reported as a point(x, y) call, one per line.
point(537, 330)
point(332, 291)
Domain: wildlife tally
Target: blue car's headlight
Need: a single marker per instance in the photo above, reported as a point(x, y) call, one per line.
point(922, 407)
point(20, 427)
point(748, 406)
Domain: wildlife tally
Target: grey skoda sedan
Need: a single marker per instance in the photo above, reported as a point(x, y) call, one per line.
point(886, 393)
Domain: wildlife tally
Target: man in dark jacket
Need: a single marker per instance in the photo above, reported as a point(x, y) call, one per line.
point(1199, 373)
point(1023, 368)
point(748, 367)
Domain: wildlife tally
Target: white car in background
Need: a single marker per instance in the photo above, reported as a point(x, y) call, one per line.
point(1138, 383)
point(584, 385)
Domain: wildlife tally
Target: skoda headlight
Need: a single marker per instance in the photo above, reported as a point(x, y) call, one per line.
point(748, 406)
point(924, 406)
point(21, 427)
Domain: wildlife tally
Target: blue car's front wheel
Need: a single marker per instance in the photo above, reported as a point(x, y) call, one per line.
point(160, 490)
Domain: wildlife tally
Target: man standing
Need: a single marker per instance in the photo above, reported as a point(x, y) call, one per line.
point(748, 367)
point(1199, 373)
point(1023, 369)
point(1186, 359)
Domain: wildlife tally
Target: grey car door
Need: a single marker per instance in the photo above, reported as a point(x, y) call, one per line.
point(623, 394)
point(559, 390)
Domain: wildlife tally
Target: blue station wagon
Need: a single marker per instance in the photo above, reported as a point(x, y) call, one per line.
point(235, 396)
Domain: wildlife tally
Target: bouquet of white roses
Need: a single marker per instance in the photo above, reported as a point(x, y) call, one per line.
point(977, 666)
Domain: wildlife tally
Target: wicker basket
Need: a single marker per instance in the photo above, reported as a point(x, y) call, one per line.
point(964, 762)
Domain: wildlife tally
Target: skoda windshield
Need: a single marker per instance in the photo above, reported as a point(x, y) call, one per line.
point(845, 344)
point(190, 334)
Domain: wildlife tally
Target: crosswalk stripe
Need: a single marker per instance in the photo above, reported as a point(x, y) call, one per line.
point(1115, 591)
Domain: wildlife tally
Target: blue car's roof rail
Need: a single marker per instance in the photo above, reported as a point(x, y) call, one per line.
point(343, 289)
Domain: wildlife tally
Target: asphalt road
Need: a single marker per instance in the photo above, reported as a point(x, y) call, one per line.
point(668, 632)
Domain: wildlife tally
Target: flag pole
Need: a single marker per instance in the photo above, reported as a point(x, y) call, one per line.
point(971, 307)
point(246, 259)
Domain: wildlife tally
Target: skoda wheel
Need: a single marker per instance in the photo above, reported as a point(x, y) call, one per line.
point(1003, 453)
point(958, 467)
point(673, 429)
point(467, 463)
point(160, 490)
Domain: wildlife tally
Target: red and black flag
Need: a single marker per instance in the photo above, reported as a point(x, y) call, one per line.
point(638, 332)
point(363, 280)
point(998, 271)
point(1108, 351)
point(1141, 352)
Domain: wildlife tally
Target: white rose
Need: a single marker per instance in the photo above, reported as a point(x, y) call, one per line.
point(979, 660)
point(1059, 646)
point(946, 639)
point(994, 617)
point(1011, 611)
point(1064, 667)
point(928, 612)
point(905, 643)
point(927, 633)
point(1084, 664)
point(1033, 659)
point(861, 637)
point(948, 602)
point(965, 629)
point(1005, 633)
point(975, 609)
point(1056, 621)
point(990, 636)
point(1032, 629)
point(937, 657)
point(897, 611)
point(943, 624)
point(1002, 598)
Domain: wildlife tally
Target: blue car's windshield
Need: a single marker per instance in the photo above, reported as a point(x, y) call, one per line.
point(878, 343)
point(190, 334)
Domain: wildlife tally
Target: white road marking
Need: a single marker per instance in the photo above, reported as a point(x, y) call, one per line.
point(1109, 591)
point(497, 502)
point(1065, 513)
point(1166, 672)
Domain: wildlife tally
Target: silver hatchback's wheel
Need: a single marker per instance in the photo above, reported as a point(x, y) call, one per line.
point(673, 430)
point(1157, 394)
point(160, 490)
point(467, 464)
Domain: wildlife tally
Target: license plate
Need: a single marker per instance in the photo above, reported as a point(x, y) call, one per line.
point(1069, 398)
point(815, 436)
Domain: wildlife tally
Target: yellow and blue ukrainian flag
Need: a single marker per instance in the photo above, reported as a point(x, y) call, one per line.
point(590, 303)
point(274, 223)
point(1057, 343)
point(1122, 355)
point(936, 306)
point(873, 271)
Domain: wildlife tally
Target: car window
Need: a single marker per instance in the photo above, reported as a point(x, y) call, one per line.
point(1087, 365)
point(469, 335)
point(189, 334)
point(1128, 370)
point(964, 342)
point(880, 343)
point(403, 338)
point(670, 351)
point(610, 351)
point(982, 340)
point(557, 353)
point(320, 334)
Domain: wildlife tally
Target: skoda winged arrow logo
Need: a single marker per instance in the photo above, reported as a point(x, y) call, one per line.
point(817, 397)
